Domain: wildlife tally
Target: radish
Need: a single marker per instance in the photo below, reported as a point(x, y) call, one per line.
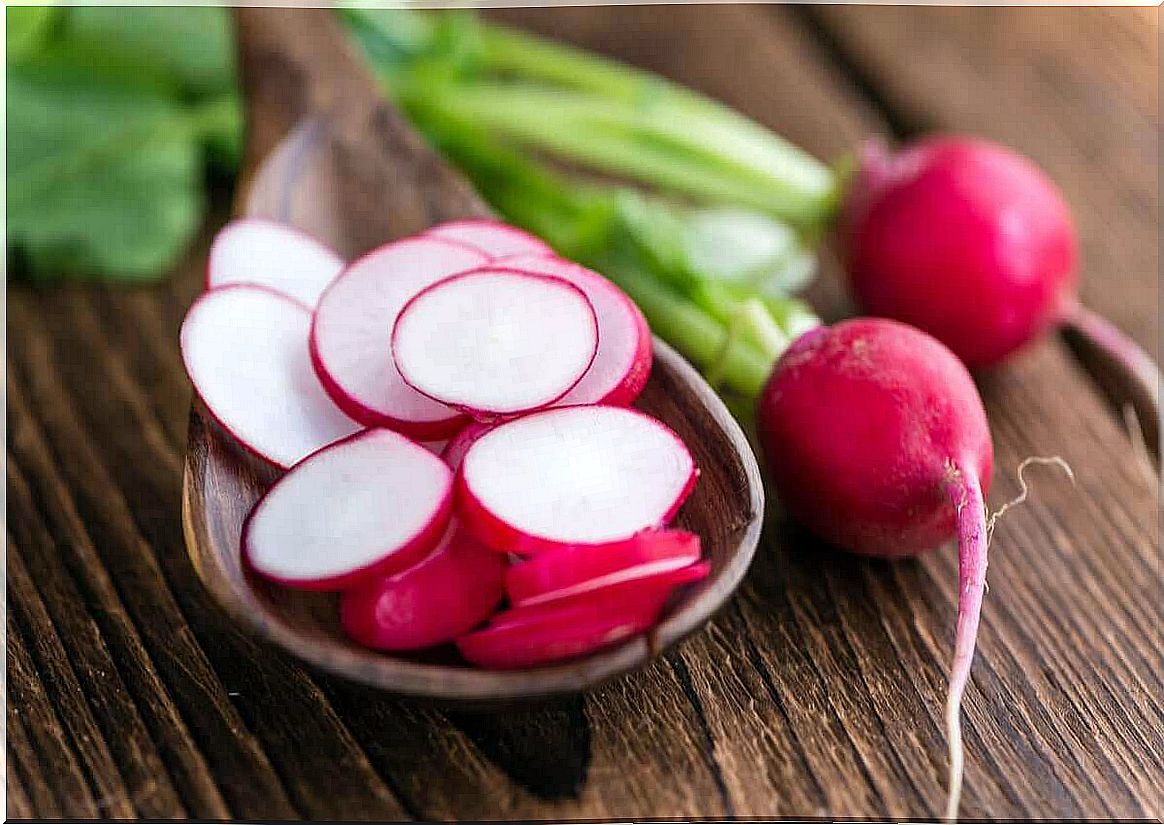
point(649, 592)
point(264, 253)
point(369, 505)
point(245, 350)
point(495, 342)
point(459, 444)
point(352, 329)
point(576, 570)
point(432, 602)
point(493, 238)
point(972, 243)
point(876, 439)
point(552, 634)
point(622, 364)
point(572, 476)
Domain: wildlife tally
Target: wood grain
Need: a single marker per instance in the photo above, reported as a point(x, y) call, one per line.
point(816, 693)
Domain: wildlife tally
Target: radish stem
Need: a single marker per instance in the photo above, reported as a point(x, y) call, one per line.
point(966, 495)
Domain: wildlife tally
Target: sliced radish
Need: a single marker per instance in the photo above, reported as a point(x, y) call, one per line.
point(572, 476)
point(551, 635)
point(460, 443)
point(437, 448)
point(245, 350)
point(366, 506)
point(352, 331)
point(264, 253)
point(495, 239)
point(622, 364)
point(648, 593)
point(577, 570)
point(495, 341)
point(447, 594)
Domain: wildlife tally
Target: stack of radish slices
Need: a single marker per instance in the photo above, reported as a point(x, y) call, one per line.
point(452, 412)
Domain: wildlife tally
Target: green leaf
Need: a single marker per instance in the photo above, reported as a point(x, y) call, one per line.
point(102, 179)
point(27, 29)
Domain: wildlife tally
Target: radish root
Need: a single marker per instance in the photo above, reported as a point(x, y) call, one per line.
point(975, 529)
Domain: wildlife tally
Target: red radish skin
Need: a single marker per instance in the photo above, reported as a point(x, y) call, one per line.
point(572, 476)
point(622, 364)
point(876, 440)
point(650, 592)
point(264, 253)
point(460, 443)
point(445, 595)
point(493, 238)
point(266, 397)
point(352, 329)
point(495, 342)
point(369, 505)
point(582, 569)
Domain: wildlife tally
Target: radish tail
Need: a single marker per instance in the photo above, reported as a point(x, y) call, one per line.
point(966, 496)
point(1141, 374)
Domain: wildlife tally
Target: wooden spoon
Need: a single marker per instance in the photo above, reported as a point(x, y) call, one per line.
point(327, 154)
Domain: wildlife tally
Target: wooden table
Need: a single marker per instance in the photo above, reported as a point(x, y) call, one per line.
point(815, 693)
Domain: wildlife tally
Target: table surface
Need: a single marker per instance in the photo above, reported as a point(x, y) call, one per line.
point(816, 692)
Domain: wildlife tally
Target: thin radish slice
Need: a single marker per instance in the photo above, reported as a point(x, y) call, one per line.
point(447, 594)
point(496, 342)
point(264, 253)
point(460, 443)
point(352, 331)
point(622, 364)
point(495, 239)
point(245, 350)
point(366, 506)
point(572, 476)
point(577, 570)
point(648, 593)
point(553, 635)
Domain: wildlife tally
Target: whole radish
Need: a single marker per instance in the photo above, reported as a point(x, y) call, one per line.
point(876, 440)
point(971, 242)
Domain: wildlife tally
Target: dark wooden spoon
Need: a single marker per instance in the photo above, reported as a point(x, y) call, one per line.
point(327, 154)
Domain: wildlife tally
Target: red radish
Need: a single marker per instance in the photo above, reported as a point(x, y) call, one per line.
point(577, 570)
point(460, 443)
point(367, 506)
point(264, 253)
point(649, 593)
point(430, 603)
point(495, 239)
point(245, 350)
point(495, 341)
point(876, 439)
point(352, 330)
point(552, 635)
point(622, 364)
point(572, 476)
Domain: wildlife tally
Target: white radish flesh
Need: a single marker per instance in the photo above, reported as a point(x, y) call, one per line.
point(245, 349)
point(366, 506)
point(495, 239)
point(351, 335)
point(572, 476)
point(264, 253)
point(496, 342)
point(623, 361)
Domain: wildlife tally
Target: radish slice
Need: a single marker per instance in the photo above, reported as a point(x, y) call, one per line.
point(445, 595)
point(245, 350)
point(572, 476)
point(622, 364)
point(575, 570)
point(495, 239)
point(351, 335)
point(552, 635)
point(460, 443)
point(264, 253)
point(366, 506)
point(649, 593)
point(496, 342)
